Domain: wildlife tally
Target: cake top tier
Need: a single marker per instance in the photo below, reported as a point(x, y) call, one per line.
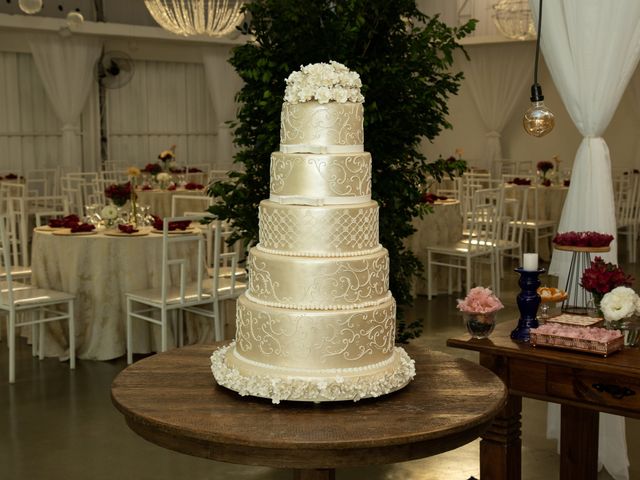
point(324, 83)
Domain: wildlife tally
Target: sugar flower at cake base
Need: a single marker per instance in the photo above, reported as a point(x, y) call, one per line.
point(317, 322)
point(479, 308)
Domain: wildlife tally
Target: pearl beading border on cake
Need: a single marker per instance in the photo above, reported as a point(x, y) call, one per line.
point(312, 389)
point(318, 202)
point(319, 307)
point(289, 253)
point(291, 372)
point(320, 149)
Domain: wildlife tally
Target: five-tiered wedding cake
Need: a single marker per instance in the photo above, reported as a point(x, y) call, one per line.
point(317, 322)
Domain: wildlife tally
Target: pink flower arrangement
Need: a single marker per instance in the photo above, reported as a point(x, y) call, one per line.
point(480, 300)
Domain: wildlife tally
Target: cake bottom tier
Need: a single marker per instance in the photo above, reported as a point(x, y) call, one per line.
point(247, 377)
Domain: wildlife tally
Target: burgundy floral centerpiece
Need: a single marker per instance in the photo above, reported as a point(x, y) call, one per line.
point(152, 169)
point(479, 308)
point(543, 167)
point(118, 193)
point(193, 186)
point(602, 277)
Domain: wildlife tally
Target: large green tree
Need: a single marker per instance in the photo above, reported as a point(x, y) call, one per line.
point(404, 59)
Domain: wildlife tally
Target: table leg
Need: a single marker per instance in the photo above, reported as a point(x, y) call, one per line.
point(315, 474)
point(578, 443)
point(501, 444)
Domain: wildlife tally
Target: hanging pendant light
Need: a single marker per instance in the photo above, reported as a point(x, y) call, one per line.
point(215, 18)
point(538, 120)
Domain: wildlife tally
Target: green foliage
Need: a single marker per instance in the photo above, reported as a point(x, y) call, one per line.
point(403, 58)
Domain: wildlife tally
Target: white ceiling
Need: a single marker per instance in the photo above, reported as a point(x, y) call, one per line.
point(132, 12)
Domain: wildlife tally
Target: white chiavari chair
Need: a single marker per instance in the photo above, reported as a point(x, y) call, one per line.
point(25, 305)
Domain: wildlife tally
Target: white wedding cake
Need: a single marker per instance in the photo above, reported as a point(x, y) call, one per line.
point(317, 322)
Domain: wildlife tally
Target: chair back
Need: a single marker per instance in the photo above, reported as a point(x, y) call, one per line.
point(190, 205)
point(224, 257)
point(176, 254)
point(6, 294)
point(627, 199)
point(77, 186)
point(43, 182)
point(18, 231)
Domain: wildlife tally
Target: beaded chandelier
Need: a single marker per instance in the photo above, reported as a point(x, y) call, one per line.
point(215, 18)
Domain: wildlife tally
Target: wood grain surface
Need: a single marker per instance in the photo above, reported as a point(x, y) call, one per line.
point(172, 399)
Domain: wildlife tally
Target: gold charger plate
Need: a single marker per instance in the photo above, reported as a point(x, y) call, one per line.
point(47, 228)
point(66, 232)
point(187, 230)
point(117, 233)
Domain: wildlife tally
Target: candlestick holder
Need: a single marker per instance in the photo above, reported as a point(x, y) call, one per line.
point(528, 301)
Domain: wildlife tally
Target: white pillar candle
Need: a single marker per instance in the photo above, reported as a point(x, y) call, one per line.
point(530, 262)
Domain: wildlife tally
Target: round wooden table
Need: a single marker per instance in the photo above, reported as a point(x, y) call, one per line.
point(172, 400)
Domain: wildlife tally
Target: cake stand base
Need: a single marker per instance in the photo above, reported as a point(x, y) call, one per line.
point(247, 377)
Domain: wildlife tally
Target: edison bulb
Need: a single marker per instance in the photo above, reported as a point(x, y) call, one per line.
point(74, 19)
point(538, 120)
point(30, 6)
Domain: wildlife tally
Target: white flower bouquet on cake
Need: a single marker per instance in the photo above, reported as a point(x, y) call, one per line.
point(323, 82)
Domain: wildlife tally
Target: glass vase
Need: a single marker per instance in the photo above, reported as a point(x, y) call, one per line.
point(479, 325)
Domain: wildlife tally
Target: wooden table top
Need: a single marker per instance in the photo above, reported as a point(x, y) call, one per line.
point(171, 399)
point(625, 362)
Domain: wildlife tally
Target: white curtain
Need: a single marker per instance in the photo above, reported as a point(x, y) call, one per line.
point(498, 77)
point(66, 68)
point(592, 48)
point(223, 83)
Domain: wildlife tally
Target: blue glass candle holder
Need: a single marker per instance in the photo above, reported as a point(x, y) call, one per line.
point(528, 302)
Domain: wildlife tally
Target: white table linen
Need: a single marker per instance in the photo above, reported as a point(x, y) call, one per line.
point(99, 269)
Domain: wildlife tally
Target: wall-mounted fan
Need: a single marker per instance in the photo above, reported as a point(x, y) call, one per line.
point(115, 69)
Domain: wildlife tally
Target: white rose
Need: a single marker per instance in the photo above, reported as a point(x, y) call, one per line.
point(109, 212)
point(323, 95)
point(163, 177)
point(341, 95)
point(619, 303)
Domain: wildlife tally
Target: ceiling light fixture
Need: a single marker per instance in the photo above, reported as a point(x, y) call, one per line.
point(214, 18)
point(538, 120)
point(513, 19)
point(30, 7)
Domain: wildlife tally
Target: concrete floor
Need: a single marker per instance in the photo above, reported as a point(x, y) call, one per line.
point(58, 424)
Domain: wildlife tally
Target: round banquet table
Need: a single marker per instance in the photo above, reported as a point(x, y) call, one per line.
point(159, 201)
point(171, 399)
point(99, 270)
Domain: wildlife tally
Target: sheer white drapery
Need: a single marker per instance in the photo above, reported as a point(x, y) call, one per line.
point(223, 83)
point(66, 68)
point(591, 49)
point(498, 76)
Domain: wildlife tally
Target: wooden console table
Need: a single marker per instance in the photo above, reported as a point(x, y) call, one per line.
point(171, 399)
point(583, 384)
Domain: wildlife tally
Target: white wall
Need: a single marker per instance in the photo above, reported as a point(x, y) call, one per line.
point(167, 102)
point(469, 134)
